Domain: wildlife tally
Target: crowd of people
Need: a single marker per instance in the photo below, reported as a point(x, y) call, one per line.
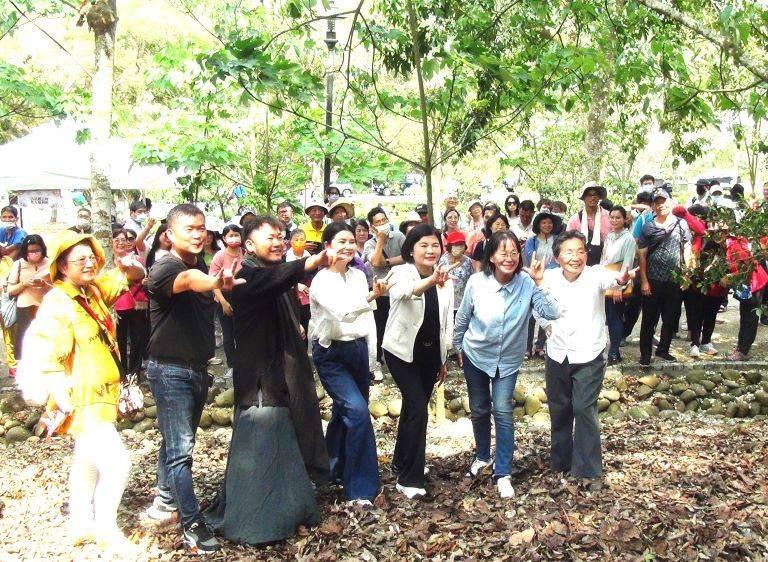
point(345, 297)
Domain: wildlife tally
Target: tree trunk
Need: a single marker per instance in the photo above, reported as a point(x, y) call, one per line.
point(595, 139)
point(102, 19)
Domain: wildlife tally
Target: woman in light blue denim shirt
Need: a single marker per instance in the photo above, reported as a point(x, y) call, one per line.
point(490, 335)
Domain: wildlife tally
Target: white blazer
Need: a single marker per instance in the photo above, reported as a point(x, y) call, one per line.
point(406, 313)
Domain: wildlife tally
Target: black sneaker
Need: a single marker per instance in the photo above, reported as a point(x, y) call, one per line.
point(645, 362)
point(199, 539)
point(666, 355)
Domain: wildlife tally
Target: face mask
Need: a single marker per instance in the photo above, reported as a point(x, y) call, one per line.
point(457, 251)
point(83, 223)
point(234, 243)
point(333, 198)
point(715, 199)
point(8, 224)
point(140, 218)
point(298, 247)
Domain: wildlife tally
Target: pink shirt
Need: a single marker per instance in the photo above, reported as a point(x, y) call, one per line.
point(605, 223)
point(224, 260)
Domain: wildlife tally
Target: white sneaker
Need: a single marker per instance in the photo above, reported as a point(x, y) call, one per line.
point(215, 361)
point(411, 493)
point(378, 375)
point(709, 349)
point(426, 469)
point(694, 351)
point(504, 486)
point(360, 502)
point(160, 514)
point(477, 467)
point(228, 374)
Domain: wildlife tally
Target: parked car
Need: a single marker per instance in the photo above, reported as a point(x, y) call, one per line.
point(345, 189)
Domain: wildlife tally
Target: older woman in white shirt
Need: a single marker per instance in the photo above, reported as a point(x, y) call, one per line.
point(416, 341)
point(343, 334)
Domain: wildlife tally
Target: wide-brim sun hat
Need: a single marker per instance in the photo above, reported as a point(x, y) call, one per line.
point(593, 186)
point(346, 205)
point(316, 204)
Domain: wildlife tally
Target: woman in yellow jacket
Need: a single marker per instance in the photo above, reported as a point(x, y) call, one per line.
point(68, 346)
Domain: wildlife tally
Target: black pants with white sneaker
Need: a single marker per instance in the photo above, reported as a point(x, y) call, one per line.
point(665, 301)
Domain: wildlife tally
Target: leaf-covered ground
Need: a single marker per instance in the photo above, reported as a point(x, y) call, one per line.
point(678, 489)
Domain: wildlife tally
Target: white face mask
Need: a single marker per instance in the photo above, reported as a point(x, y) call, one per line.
point(457, 251)
point(8, 224)
point(83, 223)
point(140, 218)
point(333, 198)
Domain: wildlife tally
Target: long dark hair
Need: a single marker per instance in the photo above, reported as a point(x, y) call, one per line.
point(155, 244)
point(493, 244)
point(511, 197)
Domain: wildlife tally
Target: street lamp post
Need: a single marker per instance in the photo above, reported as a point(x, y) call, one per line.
point(330, 41)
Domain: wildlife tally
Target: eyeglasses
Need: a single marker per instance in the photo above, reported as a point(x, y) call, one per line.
point(572, 254)
point(507, 256)
point(82, 261)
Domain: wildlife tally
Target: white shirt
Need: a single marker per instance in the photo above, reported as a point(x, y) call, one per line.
point(340, 310)
point(579, 333)
point(522, 232)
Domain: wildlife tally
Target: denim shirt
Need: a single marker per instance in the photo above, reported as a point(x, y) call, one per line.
point(492, 323)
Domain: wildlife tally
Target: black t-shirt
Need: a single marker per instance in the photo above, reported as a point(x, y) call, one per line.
point(430, 328)
point(182, 323)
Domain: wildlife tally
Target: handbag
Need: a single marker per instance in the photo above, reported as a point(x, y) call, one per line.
point(626, 291)
point(8, 303)
point(131, 397)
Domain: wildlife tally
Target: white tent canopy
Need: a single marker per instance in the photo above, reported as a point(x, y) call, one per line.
point(49, 158)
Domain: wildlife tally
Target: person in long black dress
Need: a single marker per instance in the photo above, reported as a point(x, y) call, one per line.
point(277, 449)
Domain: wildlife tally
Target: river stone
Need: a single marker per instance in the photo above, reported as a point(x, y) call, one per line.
point(668, 414)
point(678, 388)
point(699, 389)
point(31, 420)
point(709, 385)
point(754, 409)
point(695, 375)
point(644, 391)
point(124, 424)
point(731, 375)
point(206, 420)
point(621, 385)
point(12, 403)
point(137, 416)
point(326, 415)
point(614, 408)
point(663, 386)
point(731, 409)
point(11, 423)
point(705, 403)
point(455, 405)
point(451, 416)
point(532, 405)
point(717, 408)
point(148, 400)
point(680, 407)
point(663, 404)
point(727, 398)
point(378, 409)
point(519, 413)
point(602, 404)
point(226, 399)
point(385, 391)
point(540, 419)
point(541, 394)
point(752, 376)
point(716, 378)
point(465, 404)
point(652, 410)
point(687, 396)
point(144, 425)
point(394, 407)
point(220, 416)
point(637, 413)
point(17, 434)
point(692, 406)
point(762, 397)
point(151, 412)
point(612, 395)
point(650, 381)
point(743, 409)
point(519, 397)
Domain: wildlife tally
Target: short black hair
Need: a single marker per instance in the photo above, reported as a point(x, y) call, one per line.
point(644, 197)
point(363, 223)
point(283, 204)
point(231, 228)
point(375, 211)
point(11, 209)
point(136, 205)
point(543, 201)
point(564, 237)
point(606, 204)
point(647, 177)
point(493, 218)
point(257, 222)
point(492, 245)
point(527, 205)
point(183, 210)
point(559, 205)
point(737, 191)
point(243, 221)
point(421, 230)
point(32, 240)
point(621, 210)
point(333, 229)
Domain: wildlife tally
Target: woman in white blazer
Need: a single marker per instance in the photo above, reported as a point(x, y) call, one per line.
point(417, 337)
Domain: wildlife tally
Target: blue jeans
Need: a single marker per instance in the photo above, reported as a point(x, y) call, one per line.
point(492, 393)
point(180, 394)
point(343, 372)
point(614, 317)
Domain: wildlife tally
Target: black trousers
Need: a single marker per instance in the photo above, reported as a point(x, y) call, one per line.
point(572, 392)
point(416, 381)
point(24, 317)
point(133, 327)
point(665, 301)
point(748, 321)
point(541, 336)
point(632, 307)
point(380, 316)
point(702, 315)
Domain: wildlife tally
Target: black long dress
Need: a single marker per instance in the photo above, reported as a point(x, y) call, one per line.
point(267, 491)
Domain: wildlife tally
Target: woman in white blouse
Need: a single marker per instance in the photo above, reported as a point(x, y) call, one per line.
point(418, 335)
point(343, 335)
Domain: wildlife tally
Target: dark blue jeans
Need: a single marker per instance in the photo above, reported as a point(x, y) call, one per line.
point(343, 372)
point(492, 394)
point(180, 394)
point(614, 317)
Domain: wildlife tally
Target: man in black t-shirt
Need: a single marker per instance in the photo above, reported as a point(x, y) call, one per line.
point(181, 342)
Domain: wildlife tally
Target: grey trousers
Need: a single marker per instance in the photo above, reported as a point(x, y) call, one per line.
point(572, 392)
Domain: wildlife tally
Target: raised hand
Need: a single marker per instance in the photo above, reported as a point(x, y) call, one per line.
point(535, 270)
point(227, 280)
point(442, 274)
